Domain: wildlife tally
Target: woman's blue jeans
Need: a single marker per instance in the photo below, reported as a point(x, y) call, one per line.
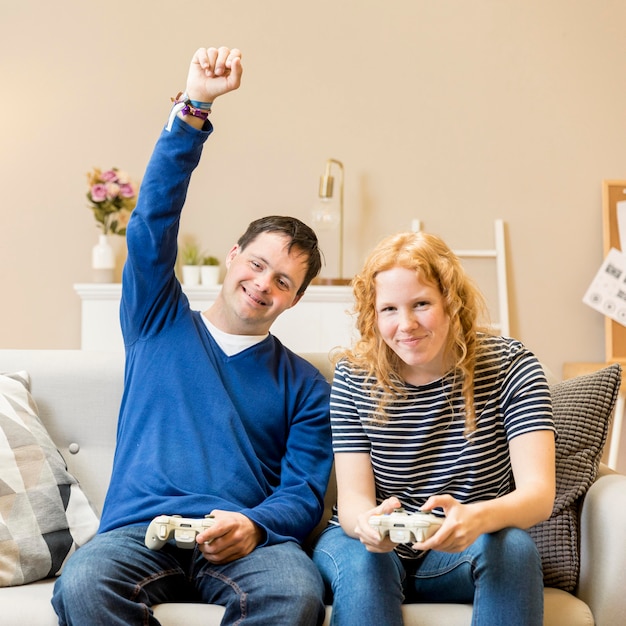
point(500, 573)
point(115, 580)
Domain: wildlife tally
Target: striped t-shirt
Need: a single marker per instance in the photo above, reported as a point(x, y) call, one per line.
point(420, 449)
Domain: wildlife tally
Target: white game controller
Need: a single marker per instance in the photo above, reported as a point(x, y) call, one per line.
point(183, 529)
point(400, 525)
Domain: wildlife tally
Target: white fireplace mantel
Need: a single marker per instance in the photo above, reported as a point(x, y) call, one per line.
point(318, 323)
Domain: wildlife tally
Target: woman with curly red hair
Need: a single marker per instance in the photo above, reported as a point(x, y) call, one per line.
point(431, 412)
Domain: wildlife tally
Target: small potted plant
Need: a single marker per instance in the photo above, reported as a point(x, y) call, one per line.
point(190, 258)
point(210, 270)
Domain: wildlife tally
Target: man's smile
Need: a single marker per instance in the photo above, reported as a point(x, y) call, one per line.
point(253, 297)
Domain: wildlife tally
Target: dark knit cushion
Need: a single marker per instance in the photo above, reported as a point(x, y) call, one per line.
point(583, 408)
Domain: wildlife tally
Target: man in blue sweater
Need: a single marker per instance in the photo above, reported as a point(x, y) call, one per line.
point(217, 417)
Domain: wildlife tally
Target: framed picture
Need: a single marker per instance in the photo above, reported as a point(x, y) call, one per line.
point(613, 194)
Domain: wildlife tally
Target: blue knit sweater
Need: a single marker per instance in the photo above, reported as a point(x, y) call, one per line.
point(199, 430)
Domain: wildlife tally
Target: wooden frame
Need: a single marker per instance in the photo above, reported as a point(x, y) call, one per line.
point(613, 191)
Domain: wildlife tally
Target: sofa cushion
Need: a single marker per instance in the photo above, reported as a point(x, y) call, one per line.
point(44, 514)
point(582, 407)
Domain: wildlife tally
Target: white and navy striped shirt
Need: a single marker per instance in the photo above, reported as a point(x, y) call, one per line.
point(420, 449)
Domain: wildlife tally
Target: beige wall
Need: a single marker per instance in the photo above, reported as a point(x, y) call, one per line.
point(452, 112)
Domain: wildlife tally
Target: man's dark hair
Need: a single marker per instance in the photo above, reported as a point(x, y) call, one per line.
point(300, 237)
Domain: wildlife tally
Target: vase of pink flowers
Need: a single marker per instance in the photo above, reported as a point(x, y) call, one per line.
point(112, 196)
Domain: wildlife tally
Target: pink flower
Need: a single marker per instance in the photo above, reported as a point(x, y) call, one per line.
point(98, 192)
point(127, 190)
point(109, 176)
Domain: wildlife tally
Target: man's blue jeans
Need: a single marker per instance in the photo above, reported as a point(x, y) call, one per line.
point(500, 573)
point(114, 580)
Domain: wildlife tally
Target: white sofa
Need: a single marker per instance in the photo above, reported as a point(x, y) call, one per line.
point(78, 394)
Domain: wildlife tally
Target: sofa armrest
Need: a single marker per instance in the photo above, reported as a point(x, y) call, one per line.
point(603, 549)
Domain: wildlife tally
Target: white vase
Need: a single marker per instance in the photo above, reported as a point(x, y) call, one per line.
point(103, 260)
point(209, 275)
point(191, 275)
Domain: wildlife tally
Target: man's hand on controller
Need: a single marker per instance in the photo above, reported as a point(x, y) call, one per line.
point(231, 537)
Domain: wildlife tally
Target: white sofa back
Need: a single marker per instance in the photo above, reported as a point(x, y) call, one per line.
point(78, 395)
